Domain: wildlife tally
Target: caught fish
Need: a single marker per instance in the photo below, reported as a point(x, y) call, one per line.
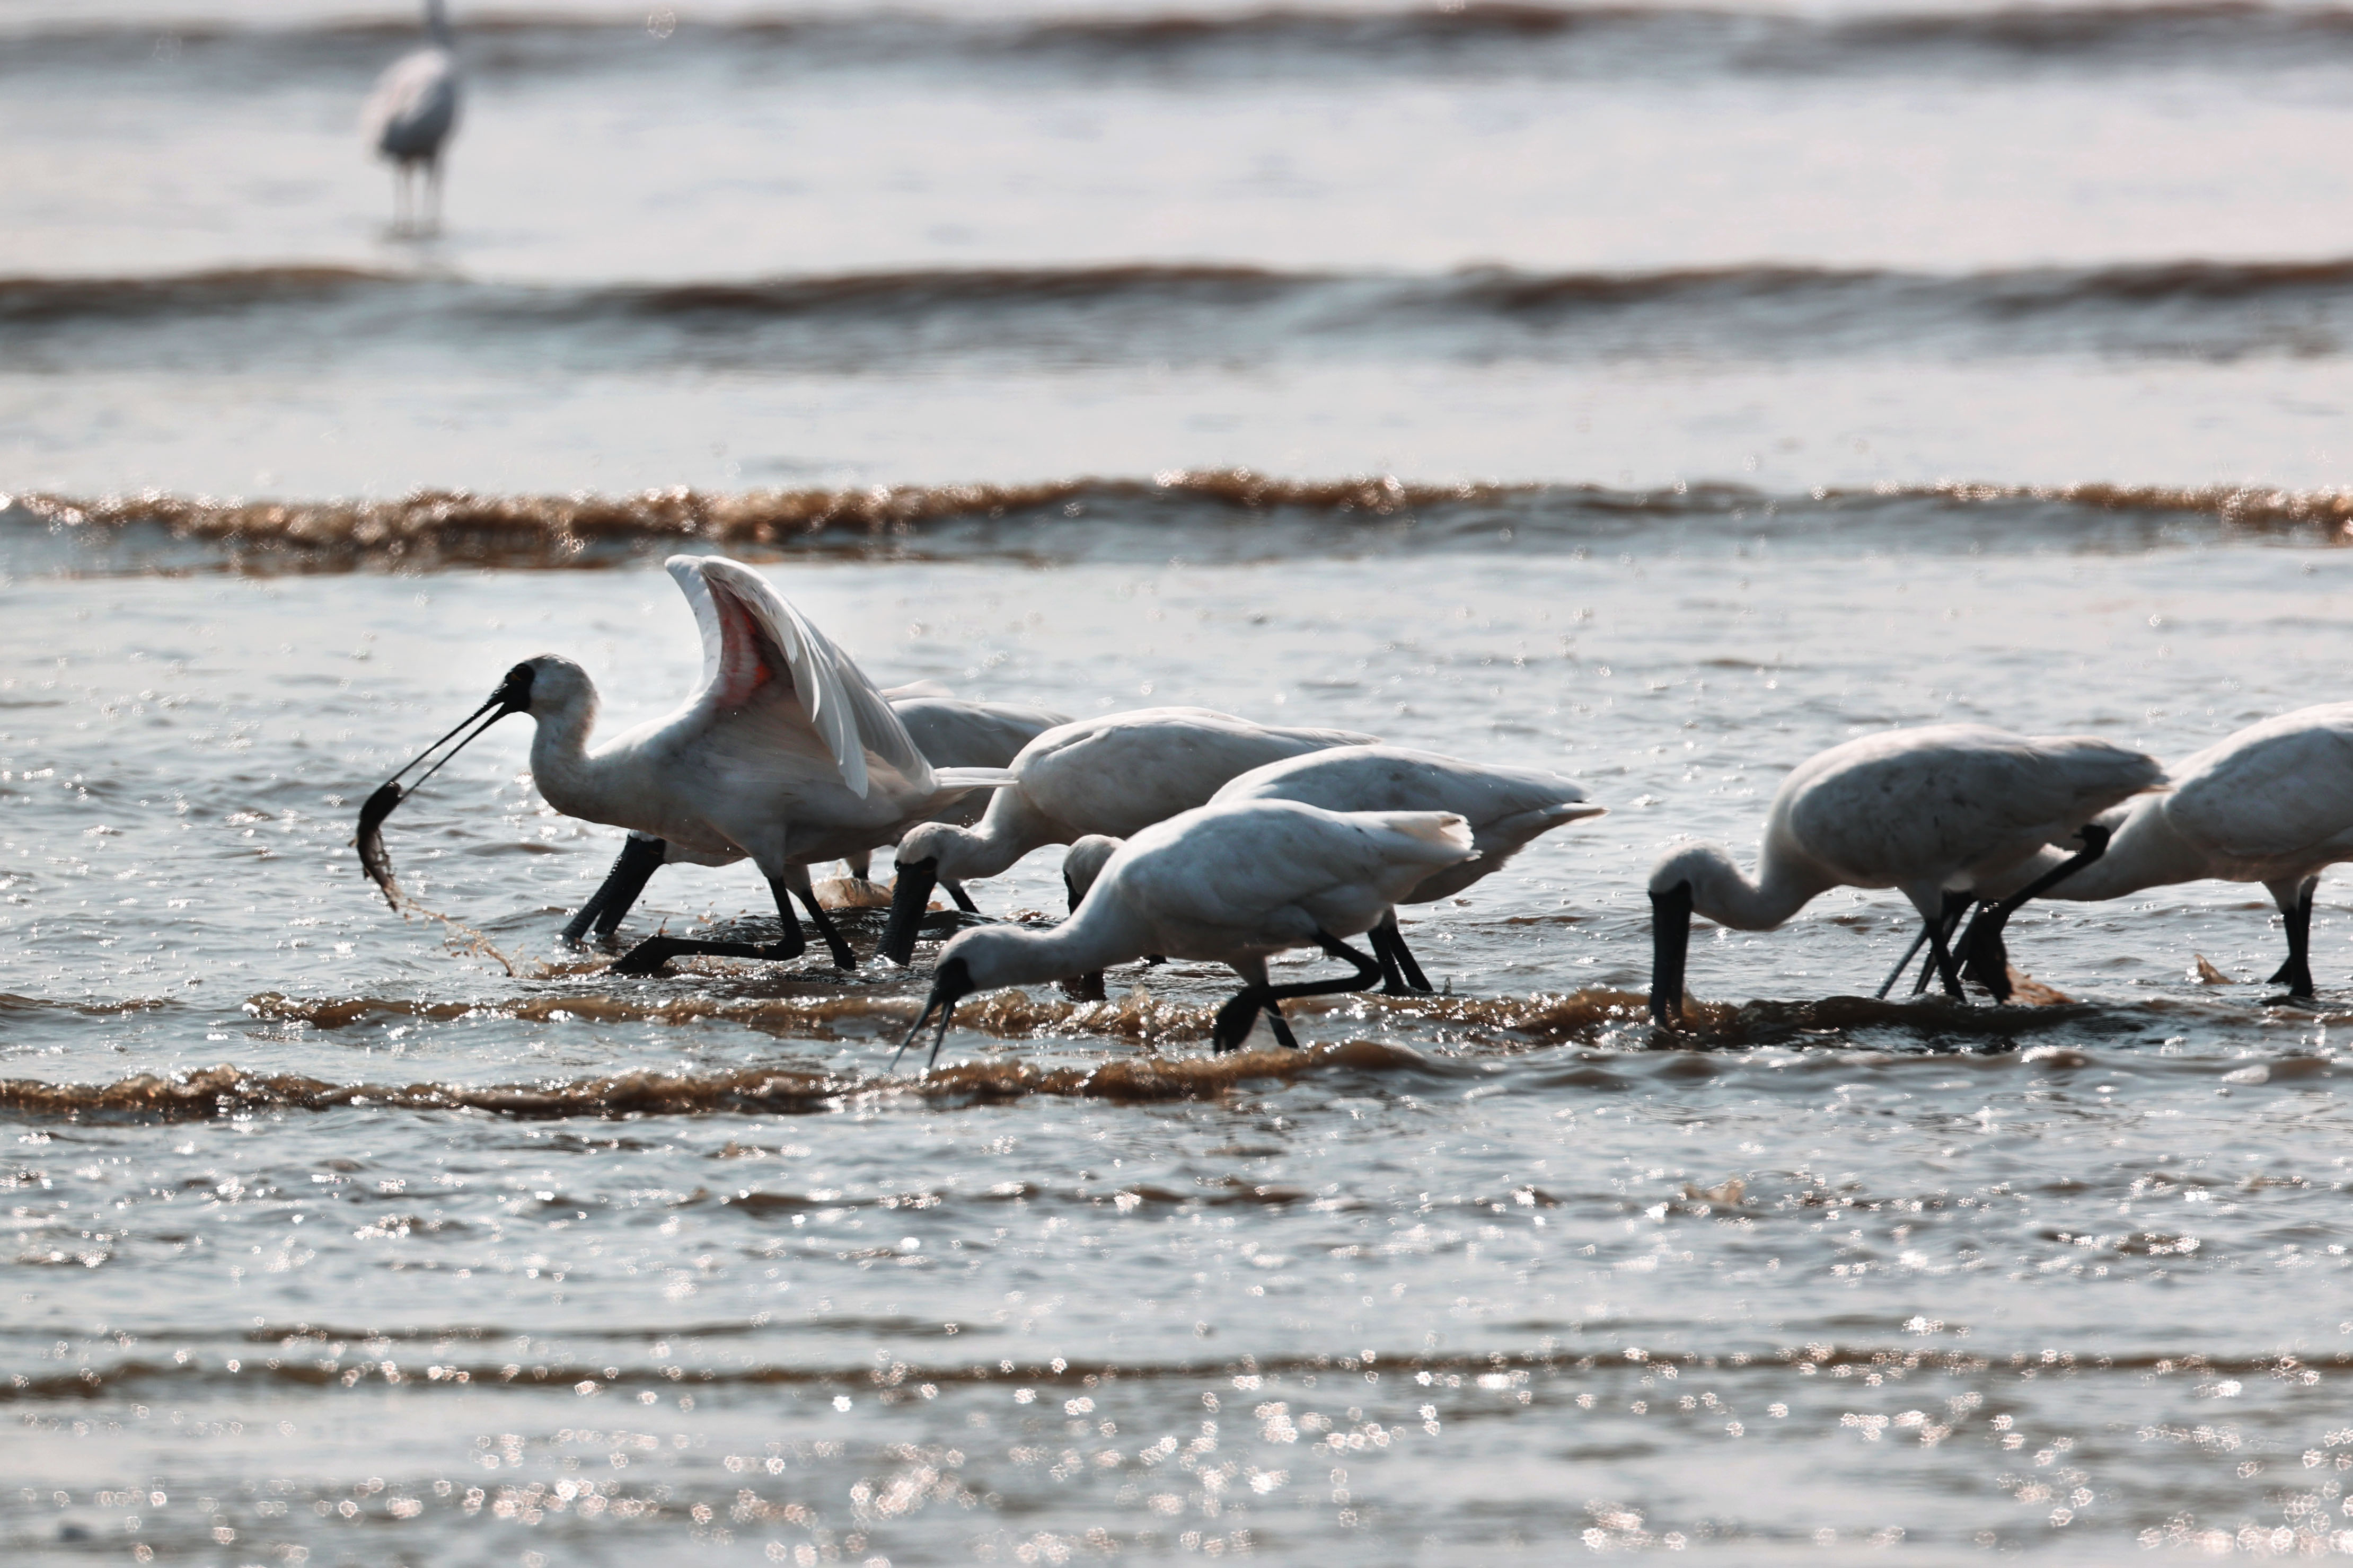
point(373, 860)
point(513, 695)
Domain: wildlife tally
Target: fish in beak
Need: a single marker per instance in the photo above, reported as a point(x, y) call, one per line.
point(513, 695)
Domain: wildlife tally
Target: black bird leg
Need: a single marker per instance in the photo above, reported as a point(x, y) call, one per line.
point(1399, 973)
point(1949, 921)
point(1985, 956)
point(1943, 953)
point(649, 956)
point(1234, 1019)
point(963, 900)
point(1955, 905)
point(842, 957)
point(610, 904)
point(2296, 973)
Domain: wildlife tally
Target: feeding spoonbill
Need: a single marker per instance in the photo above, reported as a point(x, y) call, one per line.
point(410, 115)
point(1937, 812)
point(1114, 774)
point(1507, 808)
point(949, 731)
point(2271, 803)
point(1229, 884)
point(785, 755)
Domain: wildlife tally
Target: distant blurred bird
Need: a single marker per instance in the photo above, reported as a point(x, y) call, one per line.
point(410, 114)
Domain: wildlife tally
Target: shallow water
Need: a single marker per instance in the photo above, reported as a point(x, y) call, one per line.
point(1654, 393)
point(333, 1235)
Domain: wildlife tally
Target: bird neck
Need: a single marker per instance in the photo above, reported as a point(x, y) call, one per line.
point(1010, 828)
point(1721, 893)
point(437, 23)
point(1105, 931)
point(560, 762)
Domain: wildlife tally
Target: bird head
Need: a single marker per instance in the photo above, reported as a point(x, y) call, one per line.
point(1085, 863)
point(951, 984)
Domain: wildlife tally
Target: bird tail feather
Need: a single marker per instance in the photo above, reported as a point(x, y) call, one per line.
point(974, 778)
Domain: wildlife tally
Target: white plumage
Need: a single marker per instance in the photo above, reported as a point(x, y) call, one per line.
point(786, 755)
point(2271, 803)
point(411, 114)
point(1506, 809)
point(951, 732)
point(1228, 884)
point(1947, 809)
point(1114, 774)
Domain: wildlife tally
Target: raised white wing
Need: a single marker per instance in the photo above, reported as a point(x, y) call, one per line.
point(752, 636)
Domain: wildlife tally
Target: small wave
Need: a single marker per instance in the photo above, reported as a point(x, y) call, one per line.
point(451, 527)
point(1091, 316)
point(1493, 36)
point(918, 293)
point(1083, 516)
point(14, 1004)
point(312, 1358)
point(34, 298)
point(228, 1089)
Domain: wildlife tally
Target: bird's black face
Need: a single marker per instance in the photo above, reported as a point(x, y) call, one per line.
point(513, 695)
point(950, 985)
point(1671, 913)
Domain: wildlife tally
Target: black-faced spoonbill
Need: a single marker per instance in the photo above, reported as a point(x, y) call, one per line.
point(410, 115)
point(786, 755)
point(1229, 884)
point(950, 732)
point(2271, 803)
point(1114, 774)
point(1937, 812)
point(1507, 809)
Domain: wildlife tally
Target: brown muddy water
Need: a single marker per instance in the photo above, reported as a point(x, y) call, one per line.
point(1656, 391)
point(331, 1241)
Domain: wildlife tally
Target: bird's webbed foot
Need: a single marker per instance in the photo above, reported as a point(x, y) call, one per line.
point(1236, 1019)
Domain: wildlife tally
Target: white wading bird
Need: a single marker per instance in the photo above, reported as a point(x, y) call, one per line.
point(410, 115)
point(787, 754)
point(1507, 808)
point(1112, 775)
point(1936, 813)
point(950, 732)
point(1223, 884)
point(2271, 803)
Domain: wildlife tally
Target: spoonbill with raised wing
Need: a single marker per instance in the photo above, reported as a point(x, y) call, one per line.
point(786, 755)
